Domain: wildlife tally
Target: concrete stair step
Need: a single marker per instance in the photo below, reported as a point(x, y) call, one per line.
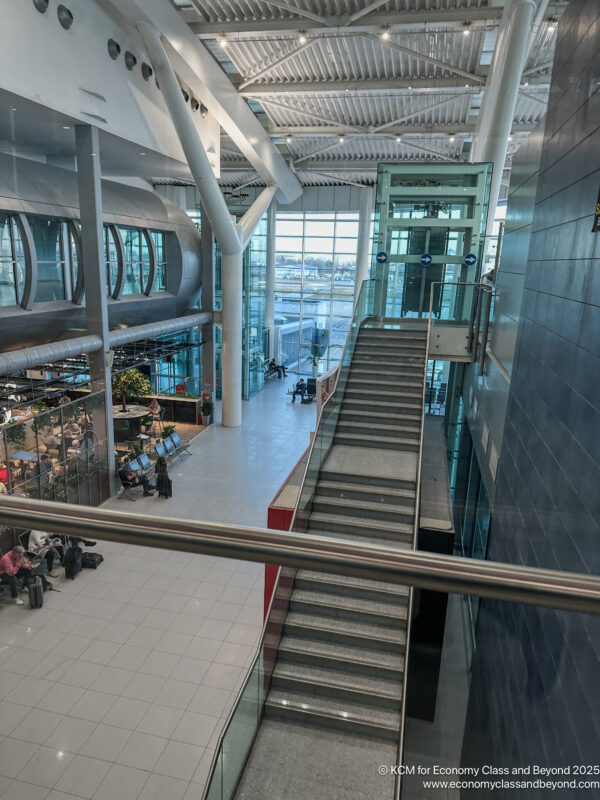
point(356, 587)
point(344, 632)
point(340, 522)
point(377, 481)
point(367, 509)
point(390, 431)
point(376, 405)
point(394, 419)
point(353, 660)
point(347, 607)
point(406, 396)
point(368, 381)
point(398, 541)
point(402, 366)
point(306, 707)
point(381, 442)
point(382, 495)
point(337, 684)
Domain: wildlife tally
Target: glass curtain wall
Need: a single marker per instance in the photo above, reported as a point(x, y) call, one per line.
point(48, 239)
point(12, 262)
point(178, 373)
point(315, 270)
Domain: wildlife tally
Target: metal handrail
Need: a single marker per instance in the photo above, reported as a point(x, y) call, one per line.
point(508, 582)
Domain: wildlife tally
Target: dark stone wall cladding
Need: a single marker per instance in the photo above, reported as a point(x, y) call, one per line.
point(534, 695)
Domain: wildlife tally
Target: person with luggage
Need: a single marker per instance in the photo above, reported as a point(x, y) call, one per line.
point(164, 486)
point(129, 478)
point(43, 545)
point(14, 565)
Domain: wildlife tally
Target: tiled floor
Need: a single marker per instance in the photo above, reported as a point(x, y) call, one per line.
point(117, 689)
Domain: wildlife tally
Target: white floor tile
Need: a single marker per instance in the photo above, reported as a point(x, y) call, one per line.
point(126, 713)
point(210, 701)
point(179, 760)
point(160, 721)
point(160, 787)
point(122, 782)
point(36, 726)
point(142, 751)
point(143, 687)
point(106, 742)
point(92, 705)
point(113, 680)
point(195, 728)
point(83, 776)
point(14, 754)
point(71, 734)
point(11, 716)
point(46, 766)
point(176, 694)
point(59, 698)
point(19, 790)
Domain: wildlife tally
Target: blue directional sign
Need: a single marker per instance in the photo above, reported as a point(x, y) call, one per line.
point(426, 259)
point(470, 259)
point(381, 257)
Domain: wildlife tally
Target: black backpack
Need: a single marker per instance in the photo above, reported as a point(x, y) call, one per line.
point(92, 560)
point(72, 561)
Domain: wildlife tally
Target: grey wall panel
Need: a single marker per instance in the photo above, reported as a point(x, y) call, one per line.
point(534, 696)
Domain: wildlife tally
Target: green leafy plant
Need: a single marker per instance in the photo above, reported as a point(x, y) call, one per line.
point(207, 407)
point(39, 406)
point(16, 436)
point(167, 431)
point(130, 384)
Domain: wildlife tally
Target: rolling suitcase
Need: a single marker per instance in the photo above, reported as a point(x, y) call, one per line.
point(35, 590)
point(72, 561)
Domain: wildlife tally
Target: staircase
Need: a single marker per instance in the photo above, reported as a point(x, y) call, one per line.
point(341, 658)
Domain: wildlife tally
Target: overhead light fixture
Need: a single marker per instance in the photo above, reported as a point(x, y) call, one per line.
point(142, 154)
point(341, 140)
point(510, 138)
point(288, 139)
point(451, 138)
point(385, 33)
point(466, 28)
point(552, 23)
point(526, 83)
point(66, 127)
point(302, 37)
point(223, 41)
point(398, 139)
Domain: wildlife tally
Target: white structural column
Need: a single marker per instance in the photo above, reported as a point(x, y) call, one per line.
point(363, 254)
point(497, 112)
point(270, 278)
point(231, 316)
point(94, 273)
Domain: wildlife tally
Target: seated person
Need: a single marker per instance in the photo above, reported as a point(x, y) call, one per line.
point(44, 546)
point(42, 470)
point(5, 475)
point(14, 565)
point(154, 407)
point(278, 368)
point(300, 389)
point(128, 476)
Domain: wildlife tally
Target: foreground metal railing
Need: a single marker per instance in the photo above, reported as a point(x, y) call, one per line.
point(551, 588)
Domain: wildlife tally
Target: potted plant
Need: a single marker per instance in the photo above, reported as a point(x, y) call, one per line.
point(167, 431)
point(130, 384)
point(206, 409)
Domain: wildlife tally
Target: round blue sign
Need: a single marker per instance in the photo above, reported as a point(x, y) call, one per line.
point(381, 257)
point(426, 259)
point(470, 259)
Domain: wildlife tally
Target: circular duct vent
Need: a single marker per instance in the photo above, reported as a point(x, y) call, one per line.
point(114, 49)
point(130, 60)
point(65, 17)
point(146, 71)
point(41, 5)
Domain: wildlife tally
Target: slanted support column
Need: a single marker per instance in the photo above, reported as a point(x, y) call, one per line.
point(490, 143)
point(94, 276)
point(270, 278)
point(363, 255)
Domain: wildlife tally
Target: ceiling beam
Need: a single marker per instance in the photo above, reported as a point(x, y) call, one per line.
point(277, 63)
point(374, 21)
point(397, 130)
point(470, 76)
point(416, 113)
point(302, 12)
point(343, 86)
point(311, 115)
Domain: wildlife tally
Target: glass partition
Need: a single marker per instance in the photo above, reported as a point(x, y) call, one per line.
point(47, 236)
point(12, 262)
point(57, 454)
